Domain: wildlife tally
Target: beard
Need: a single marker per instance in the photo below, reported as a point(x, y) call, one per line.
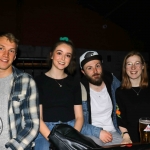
point(97, 80)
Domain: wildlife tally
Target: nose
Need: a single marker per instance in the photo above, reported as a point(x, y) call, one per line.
point(95, 70)
point(63, 57)
point(5, 53)
point(133, 66)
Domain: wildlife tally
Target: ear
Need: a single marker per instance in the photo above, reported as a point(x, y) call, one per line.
point(51, 55)
point(15, 56)
point(143, 67)
point(82, 71)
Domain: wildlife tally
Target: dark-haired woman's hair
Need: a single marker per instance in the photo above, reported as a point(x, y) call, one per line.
point(126, 84)
point(72, 65)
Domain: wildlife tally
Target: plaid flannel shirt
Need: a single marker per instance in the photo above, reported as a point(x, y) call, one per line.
point(23, 111)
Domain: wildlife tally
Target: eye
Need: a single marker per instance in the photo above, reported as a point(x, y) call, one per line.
point(98, 65)
point(68, 55)
point(12, 51)
point(1, 48)
point(59, 53)
point(88, 68)
point(129, 64)
point(137, 63)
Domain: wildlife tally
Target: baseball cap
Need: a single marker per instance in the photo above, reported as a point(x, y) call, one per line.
point(88, 56)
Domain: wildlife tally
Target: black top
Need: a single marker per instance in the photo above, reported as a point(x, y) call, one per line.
point(133, 107)
point(58, 102)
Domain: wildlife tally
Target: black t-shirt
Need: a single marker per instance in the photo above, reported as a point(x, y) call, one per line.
point(58, 102)
point(133, 107)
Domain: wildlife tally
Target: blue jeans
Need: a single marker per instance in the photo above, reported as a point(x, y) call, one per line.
point(41, 143)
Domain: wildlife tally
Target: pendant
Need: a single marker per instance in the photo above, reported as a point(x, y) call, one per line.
point(60, 85)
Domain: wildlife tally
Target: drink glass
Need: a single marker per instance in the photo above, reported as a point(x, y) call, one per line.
point(144, 129)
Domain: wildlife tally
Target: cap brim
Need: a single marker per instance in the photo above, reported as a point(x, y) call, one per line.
point(96, 57)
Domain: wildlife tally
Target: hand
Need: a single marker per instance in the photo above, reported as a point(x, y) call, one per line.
point(126, 139)
point(105, 136)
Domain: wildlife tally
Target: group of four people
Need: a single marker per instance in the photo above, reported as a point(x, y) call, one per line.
point(29, 108)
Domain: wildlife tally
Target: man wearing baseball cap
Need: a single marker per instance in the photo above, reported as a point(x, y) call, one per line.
point(98, 96)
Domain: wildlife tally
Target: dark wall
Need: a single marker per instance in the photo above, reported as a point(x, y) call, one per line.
point(41, 23)
point(112, 60)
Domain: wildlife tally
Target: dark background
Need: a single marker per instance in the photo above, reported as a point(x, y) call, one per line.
point(93, 24)
point(112, 27)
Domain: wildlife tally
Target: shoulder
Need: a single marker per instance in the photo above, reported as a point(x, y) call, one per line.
point(118, 89)
point(107, 76)
point(72, 80)
point(19, 74)
point(121, 92)
point(84, 81)
point(42, 76)
point(40, 79)
point(23, 79)
point(115, 78)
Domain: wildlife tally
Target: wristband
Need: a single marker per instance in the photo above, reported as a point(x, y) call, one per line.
point(123, 133)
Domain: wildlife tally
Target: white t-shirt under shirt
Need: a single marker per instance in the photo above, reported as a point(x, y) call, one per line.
point(101, 109)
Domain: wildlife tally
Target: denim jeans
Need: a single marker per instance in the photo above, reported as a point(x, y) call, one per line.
point(41, 143)
point(117, 139)
point(87, 129)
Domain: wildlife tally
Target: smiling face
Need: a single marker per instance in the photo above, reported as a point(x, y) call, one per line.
point(7, 55)
point(61, 56)
point(134, 67)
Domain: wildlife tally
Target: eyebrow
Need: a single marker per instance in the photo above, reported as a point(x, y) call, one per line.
point(62, 51)
point(134, 62)
point(10, 48)
point(96, 64)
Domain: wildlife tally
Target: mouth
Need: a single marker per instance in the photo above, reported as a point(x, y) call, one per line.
point(4, 60)
point(61, 63)
point(133, 72)
point(96, 75)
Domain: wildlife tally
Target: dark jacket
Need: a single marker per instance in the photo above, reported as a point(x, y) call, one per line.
point(112, 83)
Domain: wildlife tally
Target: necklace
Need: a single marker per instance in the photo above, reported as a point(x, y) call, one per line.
point(136, 91)
point(60, 85)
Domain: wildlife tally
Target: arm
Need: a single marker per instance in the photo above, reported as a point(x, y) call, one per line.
point(89, 129)
point(44, 130)
point(121, 109)
point(29, 118)
point(98, 132)
point(78, 117)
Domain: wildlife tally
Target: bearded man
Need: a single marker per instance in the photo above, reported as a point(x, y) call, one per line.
point(98, 98)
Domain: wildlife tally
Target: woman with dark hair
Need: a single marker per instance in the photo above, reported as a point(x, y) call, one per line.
point(133, 96)
point(59, 93)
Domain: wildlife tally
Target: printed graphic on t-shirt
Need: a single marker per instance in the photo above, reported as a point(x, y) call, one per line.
point(1, 126)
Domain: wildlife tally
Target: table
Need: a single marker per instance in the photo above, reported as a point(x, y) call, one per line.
point(133, 146)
